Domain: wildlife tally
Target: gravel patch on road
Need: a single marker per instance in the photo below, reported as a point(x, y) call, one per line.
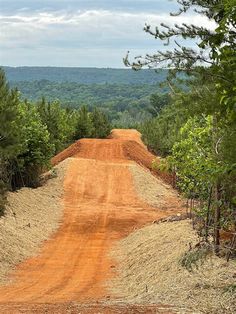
point(153, 190)
point(31, 216)
point(150, 271)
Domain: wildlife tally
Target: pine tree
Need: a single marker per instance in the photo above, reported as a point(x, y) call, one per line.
point(84, 127)
point(102, 126)
point(212, 94)
point(37, 149)
point(60, 123)
point(10, 133)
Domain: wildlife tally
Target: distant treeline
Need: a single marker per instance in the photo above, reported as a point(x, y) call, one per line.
point(85, 75)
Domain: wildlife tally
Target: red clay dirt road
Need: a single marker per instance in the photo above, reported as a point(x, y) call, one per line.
point(100, 206)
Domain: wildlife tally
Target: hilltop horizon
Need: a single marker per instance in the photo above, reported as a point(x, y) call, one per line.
point(77, 67)
point(84, 75)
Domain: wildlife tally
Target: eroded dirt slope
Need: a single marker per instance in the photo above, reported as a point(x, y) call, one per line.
point(100, 207)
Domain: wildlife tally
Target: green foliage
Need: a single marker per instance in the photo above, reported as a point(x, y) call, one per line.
point(157, 102)
point(230, 289)
point(84, 127)
point(101, 125)
point(192, 156)
point(199, 143)
point(119, 102)
point(162, 164)
point(93, 124)
point(36, 149)
point(30, 134)
point(10, 122)
point(197, 131)
point(124, 96)
point(60, 123)
point(10, 133)
point(195, 257)
point(161, 132)
point(128, 121)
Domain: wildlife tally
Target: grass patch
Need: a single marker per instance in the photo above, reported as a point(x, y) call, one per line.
point(230, 289)
point(195, 257)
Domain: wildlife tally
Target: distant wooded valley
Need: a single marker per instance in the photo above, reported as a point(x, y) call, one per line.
point(125, 96)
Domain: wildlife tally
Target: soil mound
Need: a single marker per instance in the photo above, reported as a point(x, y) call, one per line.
point(139, 153)
point(32, 215)
point(150, 271)
point(66, 153)
point(127, 135)
point(110, 148)
point(120, 145)
point(136, 152)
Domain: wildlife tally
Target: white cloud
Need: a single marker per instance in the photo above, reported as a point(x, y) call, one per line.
point(80, 30)
point(104, 16)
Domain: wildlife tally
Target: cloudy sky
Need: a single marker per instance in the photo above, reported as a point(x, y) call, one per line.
point(83, 33)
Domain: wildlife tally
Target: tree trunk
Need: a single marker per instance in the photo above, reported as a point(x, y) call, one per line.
point(217, 219)
point(208, 215)
point(216, 194)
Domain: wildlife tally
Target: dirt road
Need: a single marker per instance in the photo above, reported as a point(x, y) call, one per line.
point(100, 206)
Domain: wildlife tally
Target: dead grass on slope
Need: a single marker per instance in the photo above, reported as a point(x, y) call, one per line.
point(154, 191)
point(150, 271)
point(31, 217)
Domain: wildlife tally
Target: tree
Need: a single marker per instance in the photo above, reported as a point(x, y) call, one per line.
point(10, 124)
point(10, 133)
point(157, 102)
point(102, 126)
point(219, 41)
point(84, 125)
point(60, 123)
point(36, 151)
point(212, 70)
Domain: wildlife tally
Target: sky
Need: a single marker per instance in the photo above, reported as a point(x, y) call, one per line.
point(82, 33)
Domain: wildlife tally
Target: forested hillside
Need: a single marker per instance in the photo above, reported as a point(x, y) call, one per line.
point(124, 95)
point(125, 105)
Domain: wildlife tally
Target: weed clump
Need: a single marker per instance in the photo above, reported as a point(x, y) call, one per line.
point(195, 257)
